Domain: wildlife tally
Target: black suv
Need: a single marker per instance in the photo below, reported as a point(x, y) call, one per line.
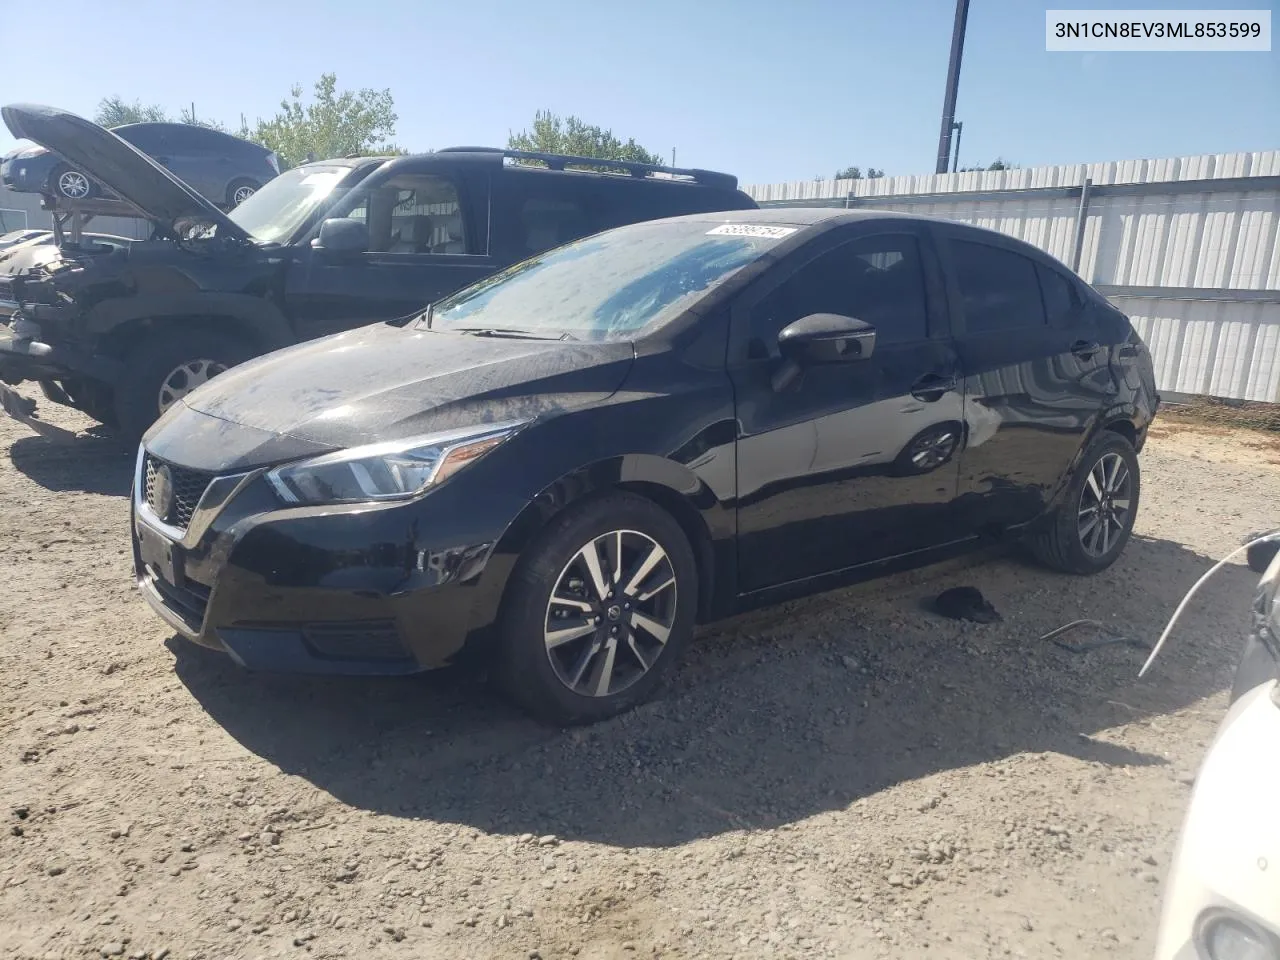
point(122, 328)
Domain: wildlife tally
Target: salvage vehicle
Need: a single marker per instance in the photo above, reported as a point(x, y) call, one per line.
point(121, 329)
point(226, 170)
point(1222, 896)
point(557, 471)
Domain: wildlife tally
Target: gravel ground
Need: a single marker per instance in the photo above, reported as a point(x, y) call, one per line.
point(847, 776)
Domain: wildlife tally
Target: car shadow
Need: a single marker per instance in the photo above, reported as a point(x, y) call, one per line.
point(772, 718)
point(92, 463)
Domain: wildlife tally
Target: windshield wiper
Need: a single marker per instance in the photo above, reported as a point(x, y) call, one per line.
point(511, 333)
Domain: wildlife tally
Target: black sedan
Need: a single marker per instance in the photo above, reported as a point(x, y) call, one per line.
point(561, 469)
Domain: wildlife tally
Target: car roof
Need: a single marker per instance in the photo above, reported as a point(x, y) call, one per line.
point(830, 217)
point(566, 164)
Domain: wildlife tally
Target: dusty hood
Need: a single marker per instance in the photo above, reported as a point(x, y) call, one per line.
point(118, 165)
point(383, 383)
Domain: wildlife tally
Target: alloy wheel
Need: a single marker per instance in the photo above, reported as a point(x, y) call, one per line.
point(610, 613)
point(1105, 510)
point(73, 185)
point(241, 194)
point(185, 378)
point(933, 449)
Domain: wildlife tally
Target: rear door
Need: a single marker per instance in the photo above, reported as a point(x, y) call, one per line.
point(427, 238)
point(1036, 376)
point(854, 462)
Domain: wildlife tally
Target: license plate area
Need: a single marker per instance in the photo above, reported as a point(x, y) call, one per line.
point(161, 554)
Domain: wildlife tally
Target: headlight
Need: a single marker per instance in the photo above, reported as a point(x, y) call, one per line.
point(386, 471)
point(1227, 937)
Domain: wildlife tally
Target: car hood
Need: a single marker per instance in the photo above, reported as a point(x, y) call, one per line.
point(384, 382)
point(118, 165)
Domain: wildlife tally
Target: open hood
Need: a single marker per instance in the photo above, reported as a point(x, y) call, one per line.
point(117, 165)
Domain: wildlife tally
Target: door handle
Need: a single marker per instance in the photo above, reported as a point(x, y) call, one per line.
point(1085, 349)
point(1128, 351)
point(932, 386)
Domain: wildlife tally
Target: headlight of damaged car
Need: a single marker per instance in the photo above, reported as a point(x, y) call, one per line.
point(397, 470)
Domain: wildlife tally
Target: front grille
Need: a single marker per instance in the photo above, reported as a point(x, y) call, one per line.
point(355, 640)
point(188, 601)
point(173, 492)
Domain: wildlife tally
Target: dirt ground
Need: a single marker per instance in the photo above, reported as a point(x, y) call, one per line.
point(848, 776)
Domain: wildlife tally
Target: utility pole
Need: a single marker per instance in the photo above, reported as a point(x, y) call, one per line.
point(953, 83)
point(673, 156)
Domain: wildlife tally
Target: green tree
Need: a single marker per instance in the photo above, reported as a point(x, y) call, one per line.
point(334, 124)
point(188, 116)
point(573, 136)
point(997, 164)
point(114, 112)
point(855, 173)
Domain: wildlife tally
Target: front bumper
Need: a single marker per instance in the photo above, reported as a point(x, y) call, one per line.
point(26, 353)
point(17, 174)
point(336, 590)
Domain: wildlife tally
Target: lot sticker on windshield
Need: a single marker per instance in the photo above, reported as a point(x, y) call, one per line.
point(750, 230)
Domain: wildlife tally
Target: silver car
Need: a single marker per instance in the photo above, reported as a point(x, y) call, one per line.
point(223, 169)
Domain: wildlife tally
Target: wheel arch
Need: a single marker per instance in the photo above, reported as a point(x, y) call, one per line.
point(706, 522)
point(250, 319)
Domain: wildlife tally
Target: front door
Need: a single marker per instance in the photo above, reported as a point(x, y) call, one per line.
point(1037, 376)
point(423, 245)
point(854, 462)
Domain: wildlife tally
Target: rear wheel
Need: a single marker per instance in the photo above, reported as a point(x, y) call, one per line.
point(165, 368)
point(598, 609)
point(1090, 529)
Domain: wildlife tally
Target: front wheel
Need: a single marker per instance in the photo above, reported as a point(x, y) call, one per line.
point(70, 183)
point(598, 610)
point(238, 191)
point(165, 368)
point(1088, 532)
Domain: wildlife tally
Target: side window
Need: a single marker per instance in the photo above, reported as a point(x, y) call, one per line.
point(410, 214)
point(192, 140)
point(547, 222)
point(876, 279)
point(1061, 301)
point(150, 138)
point(998, 288)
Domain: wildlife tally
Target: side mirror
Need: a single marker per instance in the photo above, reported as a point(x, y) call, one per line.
point(826, 338)
point(342, 235)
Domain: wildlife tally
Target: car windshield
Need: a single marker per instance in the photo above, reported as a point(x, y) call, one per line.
point(275, 212)
point(612, 286)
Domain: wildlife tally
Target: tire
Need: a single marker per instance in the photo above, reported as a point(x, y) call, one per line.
point(931, 448)
point(71, 184)
point(92, 398)
point(238, 191)
point(175, 362)
point(555, 683)
point(1070, 542)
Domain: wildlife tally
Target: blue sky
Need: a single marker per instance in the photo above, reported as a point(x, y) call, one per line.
point(769, 91)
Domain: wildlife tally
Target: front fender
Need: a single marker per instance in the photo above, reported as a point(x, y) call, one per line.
point(253, 314)
point(709, 523)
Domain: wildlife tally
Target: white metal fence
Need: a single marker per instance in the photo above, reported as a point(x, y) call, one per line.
point(1188, 247)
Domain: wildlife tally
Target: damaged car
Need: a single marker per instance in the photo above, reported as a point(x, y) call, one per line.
point(122, 329)
point(556, 472)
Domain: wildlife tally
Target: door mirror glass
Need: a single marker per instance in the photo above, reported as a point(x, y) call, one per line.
point(826, 338)
point(342, 235)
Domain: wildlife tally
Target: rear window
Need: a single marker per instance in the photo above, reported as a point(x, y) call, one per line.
point(1061, 301)
point(998, 288)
